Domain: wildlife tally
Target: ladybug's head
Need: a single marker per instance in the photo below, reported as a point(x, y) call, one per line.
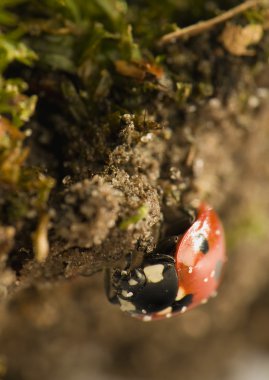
point(148, 289)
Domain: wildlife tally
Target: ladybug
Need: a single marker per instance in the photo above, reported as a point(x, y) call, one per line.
point(182, 272)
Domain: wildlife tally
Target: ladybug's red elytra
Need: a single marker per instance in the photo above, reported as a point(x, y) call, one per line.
point(183, 272)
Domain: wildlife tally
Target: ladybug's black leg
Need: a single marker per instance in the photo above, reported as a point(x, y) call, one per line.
point(128, 261)
point(133, 260)
point(167, 246)
point(179, 225)
point(159, 258)
point(178, 221)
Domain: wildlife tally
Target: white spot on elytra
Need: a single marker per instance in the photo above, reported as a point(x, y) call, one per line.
point(183, 309)
point(217, 232)
point(212, 274)
point(180, 294)
point(190, 269)
point(204, 301)
point(126, 305)
point(206, 279)
point(147, 318)
point(154, 273)
point(214, 294)
point(165, 311)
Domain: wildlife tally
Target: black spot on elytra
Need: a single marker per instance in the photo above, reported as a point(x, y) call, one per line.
point(184, 302)
point(204, 246)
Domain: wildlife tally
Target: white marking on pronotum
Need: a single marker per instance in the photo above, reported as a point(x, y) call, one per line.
point(132, 282)
point(168, 315)
point(147, 318)
point(183, 309)
point(212, 274)
point(144, 311)
point(168, 310)
point(154, 273)
point(126, 305)
point(139, 275)
point(206, 279)
point(127, 294)
point(180, 294)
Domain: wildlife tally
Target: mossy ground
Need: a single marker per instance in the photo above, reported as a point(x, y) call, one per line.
point(103, 136)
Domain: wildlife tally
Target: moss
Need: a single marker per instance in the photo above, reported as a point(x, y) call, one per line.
point(88, 93)
point(141, 213)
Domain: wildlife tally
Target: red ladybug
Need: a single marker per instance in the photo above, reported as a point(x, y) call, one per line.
point(183, 272)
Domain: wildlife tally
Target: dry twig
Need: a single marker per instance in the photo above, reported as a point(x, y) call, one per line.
point(208, 24)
